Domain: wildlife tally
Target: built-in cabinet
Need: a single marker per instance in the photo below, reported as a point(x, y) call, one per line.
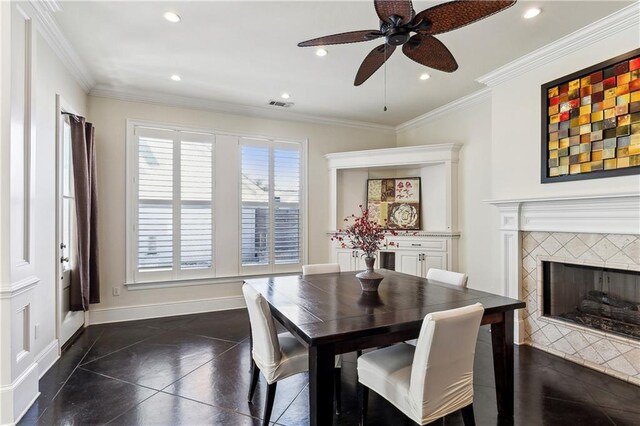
point(411, 255)
point(436, 244)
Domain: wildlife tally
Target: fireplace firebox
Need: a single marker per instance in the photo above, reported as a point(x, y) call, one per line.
point(601, 298)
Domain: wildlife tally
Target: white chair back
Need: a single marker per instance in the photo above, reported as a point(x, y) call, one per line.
point(442, 369)
point(448, 277)
point(320, 268)
point(266, 347)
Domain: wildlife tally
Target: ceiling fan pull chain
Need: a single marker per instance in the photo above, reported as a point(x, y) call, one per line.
point(385, 78)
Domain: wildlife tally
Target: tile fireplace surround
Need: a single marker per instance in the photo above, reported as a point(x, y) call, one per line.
point(596, 231)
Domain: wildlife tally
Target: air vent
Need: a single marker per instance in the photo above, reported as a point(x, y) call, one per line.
point(281, 104)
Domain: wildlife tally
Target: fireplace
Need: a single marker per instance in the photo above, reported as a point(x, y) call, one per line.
point(601, 298)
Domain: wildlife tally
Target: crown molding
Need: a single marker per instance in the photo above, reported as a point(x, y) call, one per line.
point(627, 17)
point(131, 95)
point(439, 112)
point(52, 34)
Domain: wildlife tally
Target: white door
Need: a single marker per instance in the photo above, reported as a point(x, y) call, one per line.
point(435, 260)
point(409, 262)
point(344, 257)
point(68, 322)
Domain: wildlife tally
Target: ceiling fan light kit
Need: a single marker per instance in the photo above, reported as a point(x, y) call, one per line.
point(398, 21)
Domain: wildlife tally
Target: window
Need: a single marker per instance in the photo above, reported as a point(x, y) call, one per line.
point(206, 207)
point(271, 214)
point(173, 177)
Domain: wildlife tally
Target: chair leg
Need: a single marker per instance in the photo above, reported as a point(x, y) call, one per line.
point(338, 388)
point(358, 354)
point(255, 372)
point(363, 399)
point(467, 416)
point(271, 395)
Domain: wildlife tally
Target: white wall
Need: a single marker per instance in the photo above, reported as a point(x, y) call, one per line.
point(500, 158)
point(516, 125)
point(51, 78)
point(109, 117)
point(27, 207)
point(478, 221)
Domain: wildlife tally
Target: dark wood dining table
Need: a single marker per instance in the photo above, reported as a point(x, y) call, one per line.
point(330, 315)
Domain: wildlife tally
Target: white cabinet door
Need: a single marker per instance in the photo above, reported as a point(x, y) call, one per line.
point(434, 260)
point(408, 262)
point(344, 257)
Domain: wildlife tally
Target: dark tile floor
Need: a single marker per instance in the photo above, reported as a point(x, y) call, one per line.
point(193, 370)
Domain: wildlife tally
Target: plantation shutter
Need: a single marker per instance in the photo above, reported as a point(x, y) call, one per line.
point(255, 216)
point(155, 204)
point(174, 187)
point(271, 192)
point(196, 210)
point(287, 226)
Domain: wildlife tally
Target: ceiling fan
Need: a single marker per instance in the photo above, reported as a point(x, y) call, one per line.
point(398, 20)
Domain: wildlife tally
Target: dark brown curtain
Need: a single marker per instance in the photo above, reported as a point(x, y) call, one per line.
point(85, 280)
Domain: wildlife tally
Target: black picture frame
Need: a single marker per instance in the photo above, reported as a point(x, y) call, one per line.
point(544, 169)
point(419, 179)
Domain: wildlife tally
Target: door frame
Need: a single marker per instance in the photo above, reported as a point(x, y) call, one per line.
point(61, 106)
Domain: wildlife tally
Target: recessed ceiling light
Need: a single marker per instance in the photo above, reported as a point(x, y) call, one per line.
point(176, 77)
point(321, 52)
point(532, 13)
point(171, 17)
point(285, 96)
point(424, 76)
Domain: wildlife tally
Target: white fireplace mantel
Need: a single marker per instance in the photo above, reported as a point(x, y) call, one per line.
point(602, 214)
point(599, 214)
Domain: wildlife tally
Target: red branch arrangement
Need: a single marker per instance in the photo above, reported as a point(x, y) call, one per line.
point(364, 234)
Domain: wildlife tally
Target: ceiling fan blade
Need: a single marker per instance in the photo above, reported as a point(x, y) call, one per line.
point(455, 14)
point(387, 8)
point(429, 51)
point(372, 62)
point(343, 38)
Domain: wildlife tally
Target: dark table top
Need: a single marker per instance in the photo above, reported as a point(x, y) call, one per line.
point(331, 307)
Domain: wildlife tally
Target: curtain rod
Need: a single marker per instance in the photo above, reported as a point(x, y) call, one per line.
point(75, 117)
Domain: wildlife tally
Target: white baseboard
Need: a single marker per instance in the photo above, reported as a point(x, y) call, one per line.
point(27, 408)
point(18, 397)
point(158, 310)
point(47, 357)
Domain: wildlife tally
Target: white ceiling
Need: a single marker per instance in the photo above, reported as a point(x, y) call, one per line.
point(245, 52)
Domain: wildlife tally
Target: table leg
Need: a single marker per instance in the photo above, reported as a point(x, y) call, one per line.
point(321, 377)
point(502, 342)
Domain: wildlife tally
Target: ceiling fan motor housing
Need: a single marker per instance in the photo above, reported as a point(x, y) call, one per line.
point(397, 36)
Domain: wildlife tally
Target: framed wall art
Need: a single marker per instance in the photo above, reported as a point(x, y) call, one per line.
point(394, 203)
point(591, 122)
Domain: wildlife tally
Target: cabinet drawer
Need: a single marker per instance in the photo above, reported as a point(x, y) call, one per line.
point(431, 245)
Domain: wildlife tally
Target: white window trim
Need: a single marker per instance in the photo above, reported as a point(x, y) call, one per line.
point(130, 219)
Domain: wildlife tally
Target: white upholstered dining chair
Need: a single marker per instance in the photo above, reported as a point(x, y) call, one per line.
point(276, 356)
point(448, 277)
point(320, 268)
point(433, 378)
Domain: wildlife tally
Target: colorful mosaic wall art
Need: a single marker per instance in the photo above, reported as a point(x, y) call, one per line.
point(591, 122)
point(394, 203)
